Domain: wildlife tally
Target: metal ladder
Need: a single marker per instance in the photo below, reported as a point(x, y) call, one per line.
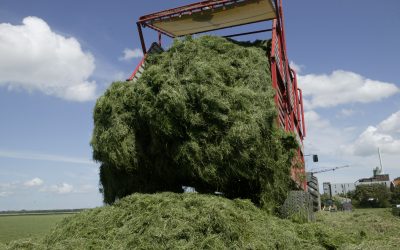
point(154, 49)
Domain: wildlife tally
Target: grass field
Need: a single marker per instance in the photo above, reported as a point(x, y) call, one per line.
point(367, 228)
point(14, 227)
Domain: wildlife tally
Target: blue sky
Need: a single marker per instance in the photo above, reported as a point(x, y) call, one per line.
point(57, 57)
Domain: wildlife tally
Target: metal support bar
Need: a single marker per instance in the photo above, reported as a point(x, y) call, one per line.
point(141, 38)
point(159, 38)
point(248, 33)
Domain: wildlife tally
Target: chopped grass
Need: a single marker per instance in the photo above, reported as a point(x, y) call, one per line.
point(365, 228)
point(195, 221)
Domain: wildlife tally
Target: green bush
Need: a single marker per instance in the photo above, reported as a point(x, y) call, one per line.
point(371, 196)
point(201, 115)
point(395, 197)
point(396, 211)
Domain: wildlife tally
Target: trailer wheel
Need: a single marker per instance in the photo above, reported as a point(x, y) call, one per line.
point(298, 206)
point(313, 189)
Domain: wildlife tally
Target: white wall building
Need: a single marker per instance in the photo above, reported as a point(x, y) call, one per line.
point(333, 189)
point(342, 188)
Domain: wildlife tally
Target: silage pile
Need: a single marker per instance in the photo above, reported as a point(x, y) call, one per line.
point(201, 115)
point(183, 221)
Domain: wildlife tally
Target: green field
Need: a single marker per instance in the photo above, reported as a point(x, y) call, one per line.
point(14, 227)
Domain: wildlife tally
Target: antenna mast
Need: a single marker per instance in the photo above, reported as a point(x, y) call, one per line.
point(380, 160)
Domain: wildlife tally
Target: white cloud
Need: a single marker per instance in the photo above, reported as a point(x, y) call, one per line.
point(321, 136)
point(315, 121)
point(87, 188)
point(297, 67)
point(5, 194)
point(35, 58)
point(6, 189)
point(66, 188)
point(131, 54)
point(35, 182)
point(384, 135)
point(391, 124)
point(342, 87)
point(346, 112)
point(63, 188)
point(339, 145)
point(120, 76)
point(43, 157)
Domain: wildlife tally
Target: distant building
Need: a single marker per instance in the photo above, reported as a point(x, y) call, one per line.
point(333, 189)
point(326, 186)
point(378, 178)
point(342, 188)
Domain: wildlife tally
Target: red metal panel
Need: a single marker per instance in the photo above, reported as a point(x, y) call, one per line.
point(274, 68)
point(296, 98)
point(302, 112)
point(289, 102)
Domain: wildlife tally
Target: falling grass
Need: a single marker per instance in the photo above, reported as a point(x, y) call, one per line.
point(201, 115)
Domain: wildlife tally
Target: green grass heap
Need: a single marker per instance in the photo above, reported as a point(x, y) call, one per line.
point(202, 115)
point(195, 221)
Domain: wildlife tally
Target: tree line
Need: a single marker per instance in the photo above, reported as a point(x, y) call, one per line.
point(370, 196)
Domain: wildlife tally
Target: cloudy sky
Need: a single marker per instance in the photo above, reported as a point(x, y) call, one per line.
point(57, 57)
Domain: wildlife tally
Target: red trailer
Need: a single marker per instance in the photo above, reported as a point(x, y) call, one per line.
point(214, 15)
